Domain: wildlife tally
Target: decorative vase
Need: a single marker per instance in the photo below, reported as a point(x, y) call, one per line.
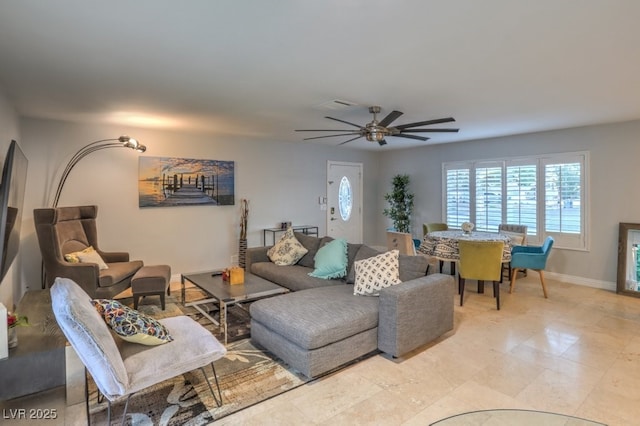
point(242, 253)
point(12, 337)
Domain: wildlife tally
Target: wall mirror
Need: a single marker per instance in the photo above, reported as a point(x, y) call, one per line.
point(628, 261)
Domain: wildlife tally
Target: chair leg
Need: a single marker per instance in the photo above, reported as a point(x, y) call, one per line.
point(124, 414)
point(441, 265)
point(135, 301)
point(453, 269)
point(544, 286)
point(496, 293)
point(514, 273)
point(217, 398)
point(461, 287)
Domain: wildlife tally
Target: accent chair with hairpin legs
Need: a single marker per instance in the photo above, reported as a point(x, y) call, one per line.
point(124, 368)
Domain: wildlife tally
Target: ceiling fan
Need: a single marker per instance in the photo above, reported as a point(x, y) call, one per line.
point(377, 131)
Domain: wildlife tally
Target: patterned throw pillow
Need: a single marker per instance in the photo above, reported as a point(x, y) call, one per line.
point(375, 273)
point(88, 255)
point(287, 251)
point(73, 257)
point(131, 325)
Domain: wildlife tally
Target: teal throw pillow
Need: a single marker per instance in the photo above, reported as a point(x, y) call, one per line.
point(331, 260)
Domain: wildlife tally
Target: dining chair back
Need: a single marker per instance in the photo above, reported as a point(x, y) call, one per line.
point(433, 227)
point(402, 242)
point(481, 261)
point(530, 257)
point(518, 235)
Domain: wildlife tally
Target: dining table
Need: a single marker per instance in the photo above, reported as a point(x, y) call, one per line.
point(443, 245)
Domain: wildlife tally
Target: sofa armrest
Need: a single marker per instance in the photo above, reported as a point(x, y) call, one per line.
point(255, 255)
point(415, 313)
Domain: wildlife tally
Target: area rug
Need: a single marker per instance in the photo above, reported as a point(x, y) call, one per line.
point(247, 376)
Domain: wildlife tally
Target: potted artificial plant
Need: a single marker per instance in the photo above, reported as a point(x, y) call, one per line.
point(400, 204)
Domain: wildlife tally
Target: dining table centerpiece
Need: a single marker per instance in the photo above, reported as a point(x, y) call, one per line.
point(467, 227)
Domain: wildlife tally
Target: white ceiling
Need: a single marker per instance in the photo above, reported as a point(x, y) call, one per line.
point(261, 69)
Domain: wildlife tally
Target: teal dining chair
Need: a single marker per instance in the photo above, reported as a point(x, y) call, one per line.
point(530, 257)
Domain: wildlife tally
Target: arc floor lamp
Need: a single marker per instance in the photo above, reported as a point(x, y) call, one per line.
point(123, 141)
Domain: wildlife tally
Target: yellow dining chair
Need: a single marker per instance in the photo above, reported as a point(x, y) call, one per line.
point(482, 261)
point(433, 227)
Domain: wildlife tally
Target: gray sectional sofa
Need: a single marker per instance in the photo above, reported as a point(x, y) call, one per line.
point(322, 325)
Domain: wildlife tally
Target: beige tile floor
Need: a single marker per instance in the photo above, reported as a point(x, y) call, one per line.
point(576, 353)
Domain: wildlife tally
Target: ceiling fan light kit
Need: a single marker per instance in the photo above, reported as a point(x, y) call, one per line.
point(378, 131)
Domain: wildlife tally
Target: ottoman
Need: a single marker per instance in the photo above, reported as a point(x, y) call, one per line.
point(316, 330)
point(151, 281)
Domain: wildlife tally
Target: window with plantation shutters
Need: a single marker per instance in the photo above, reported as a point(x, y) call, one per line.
point(457, 197)
point(546, 193)
point(488, 205)
point(522, 197)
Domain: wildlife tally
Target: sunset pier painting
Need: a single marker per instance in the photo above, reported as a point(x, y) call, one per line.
point(167, 181)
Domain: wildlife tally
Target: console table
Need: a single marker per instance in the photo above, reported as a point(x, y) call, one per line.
point(38, 362)
point(305, 229)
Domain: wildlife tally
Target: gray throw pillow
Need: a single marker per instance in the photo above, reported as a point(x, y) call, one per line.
point(312, 244)
point(412, 267)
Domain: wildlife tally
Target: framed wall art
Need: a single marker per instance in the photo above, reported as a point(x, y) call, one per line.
point(168, 181)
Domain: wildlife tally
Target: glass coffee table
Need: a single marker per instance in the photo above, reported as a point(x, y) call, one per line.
point(224, 294)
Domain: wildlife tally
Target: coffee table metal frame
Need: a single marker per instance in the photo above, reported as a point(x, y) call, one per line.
point(224, 294)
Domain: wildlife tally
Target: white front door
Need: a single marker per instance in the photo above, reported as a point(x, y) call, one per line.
point(344, 201)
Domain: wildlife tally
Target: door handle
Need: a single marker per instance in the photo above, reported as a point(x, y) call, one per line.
point(333, 218)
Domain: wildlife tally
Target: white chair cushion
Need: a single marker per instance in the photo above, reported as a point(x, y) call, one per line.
point(90, 337)
point(193, 347)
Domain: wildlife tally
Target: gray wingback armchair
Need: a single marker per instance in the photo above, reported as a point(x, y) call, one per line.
point(65, 230)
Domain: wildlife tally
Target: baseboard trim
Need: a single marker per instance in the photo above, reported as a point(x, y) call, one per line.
point(605, 285)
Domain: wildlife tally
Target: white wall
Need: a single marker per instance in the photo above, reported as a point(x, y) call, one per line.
point(282, 182)
point(10, 286)
point(614, 178)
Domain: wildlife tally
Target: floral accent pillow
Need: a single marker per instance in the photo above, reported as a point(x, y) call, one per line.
point(377, 272)
point(287, 251)
point(131, 325)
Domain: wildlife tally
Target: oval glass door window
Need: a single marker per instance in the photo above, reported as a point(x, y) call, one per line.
point(345, 199)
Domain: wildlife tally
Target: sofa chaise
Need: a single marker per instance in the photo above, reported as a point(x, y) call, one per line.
point(321, 325)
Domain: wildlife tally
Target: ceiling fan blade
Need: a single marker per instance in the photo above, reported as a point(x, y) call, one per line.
point(323, 130)
point(430, 130)
point(403, 135)
point(358, 137)
point(331, 136)
point(382, 142)
point(425, 123)
point(390, 118)
point(345, 122)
